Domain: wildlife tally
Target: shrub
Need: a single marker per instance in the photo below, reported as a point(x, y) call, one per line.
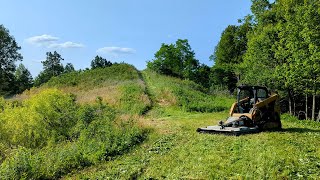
point(50, 136)
point(46, 116)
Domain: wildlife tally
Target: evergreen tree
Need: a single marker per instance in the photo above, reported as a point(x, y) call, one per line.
point(52, 66)
point(100, 62)
point(68, 68)
point(23, 79)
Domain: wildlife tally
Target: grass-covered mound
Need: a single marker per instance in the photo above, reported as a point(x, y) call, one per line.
point(49, 135)
point(187, 95)
point(120, 86)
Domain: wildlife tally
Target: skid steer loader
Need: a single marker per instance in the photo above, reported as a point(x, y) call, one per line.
point(255, 110)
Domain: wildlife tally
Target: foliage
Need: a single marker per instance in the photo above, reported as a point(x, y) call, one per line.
point(68, 68)
point(229, 54)
point(8, 56)
point(47, 116)
point(223, 76)
point(52, 67)
point(178, 60)
point(168, 91)
point(50, 135)
point(283, 48)
point(100, 62)
point(23, 79)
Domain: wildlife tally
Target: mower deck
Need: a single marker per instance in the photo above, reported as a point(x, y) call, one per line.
point(234, 131)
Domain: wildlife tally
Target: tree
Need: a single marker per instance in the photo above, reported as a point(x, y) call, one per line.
point(68, 68)
point(52, 66)
point(202, 75)
point(8, 56)
point(177, 60)
point(223, 76)
point(229, 54)
point(167, 61)
point(100, 62)
point(259, 9)
point(23, 79)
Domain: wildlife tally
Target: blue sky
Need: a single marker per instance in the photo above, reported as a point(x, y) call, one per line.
point(118, 30)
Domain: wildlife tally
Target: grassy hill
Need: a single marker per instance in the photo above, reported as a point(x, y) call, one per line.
point(124, 124)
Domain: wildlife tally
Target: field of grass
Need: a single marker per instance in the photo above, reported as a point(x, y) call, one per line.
point(174, 150)
point(142, 126)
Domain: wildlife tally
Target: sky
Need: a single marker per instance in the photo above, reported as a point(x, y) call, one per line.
point(118, 30)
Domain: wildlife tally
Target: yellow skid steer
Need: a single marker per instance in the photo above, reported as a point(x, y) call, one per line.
point(255, 110)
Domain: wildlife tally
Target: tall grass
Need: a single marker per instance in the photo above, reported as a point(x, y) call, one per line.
point(49, 135)
point(187, 95)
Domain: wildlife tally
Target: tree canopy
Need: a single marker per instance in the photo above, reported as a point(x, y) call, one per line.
point(178, 60)
point(23, 79)
point(100, 62)
point(9, 55)
point(52, 66)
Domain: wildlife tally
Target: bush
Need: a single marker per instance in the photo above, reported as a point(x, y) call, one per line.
point(46, 116)
point(50, 135)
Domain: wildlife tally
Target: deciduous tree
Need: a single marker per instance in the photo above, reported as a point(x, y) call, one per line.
point(8, 56)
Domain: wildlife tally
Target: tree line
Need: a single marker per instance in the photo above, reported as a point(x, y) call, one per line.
point(15, 80)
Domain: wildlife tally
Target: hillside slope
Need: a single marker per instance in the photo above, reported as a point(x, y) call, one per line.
point(186, 95)
point(74, 121)
point(120, 86)
point(174, 150)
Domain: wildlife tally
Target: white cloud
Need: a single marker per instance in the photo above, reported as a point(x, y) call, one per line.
point(116, 51)
point(67, 44)
point(50, 41)
point(42, 40)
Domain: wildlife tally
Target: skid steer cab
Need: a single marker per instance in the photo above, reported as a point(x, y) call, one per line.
point(255, 110)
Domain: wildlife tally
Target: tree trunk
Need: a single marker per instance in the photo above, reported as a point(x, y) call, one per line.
point(319, 115)
point(313, 106)
point(306, 106)
point(294, 107)
point(290, 110)
point(290, 101)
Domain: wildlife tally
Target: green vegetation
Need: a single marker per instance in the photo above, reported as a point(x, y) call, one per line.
point(174, 150)
point(54, 134)
point(185, 94)
point(119, 86)
point(178, 60)
point(100, 62)
point(50, 135)
point(9, 55)
point(278, 47)
point(114, 122)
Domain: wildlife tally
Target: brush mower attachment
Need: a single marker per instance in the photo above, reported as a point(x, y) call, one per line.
point(233, 127)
